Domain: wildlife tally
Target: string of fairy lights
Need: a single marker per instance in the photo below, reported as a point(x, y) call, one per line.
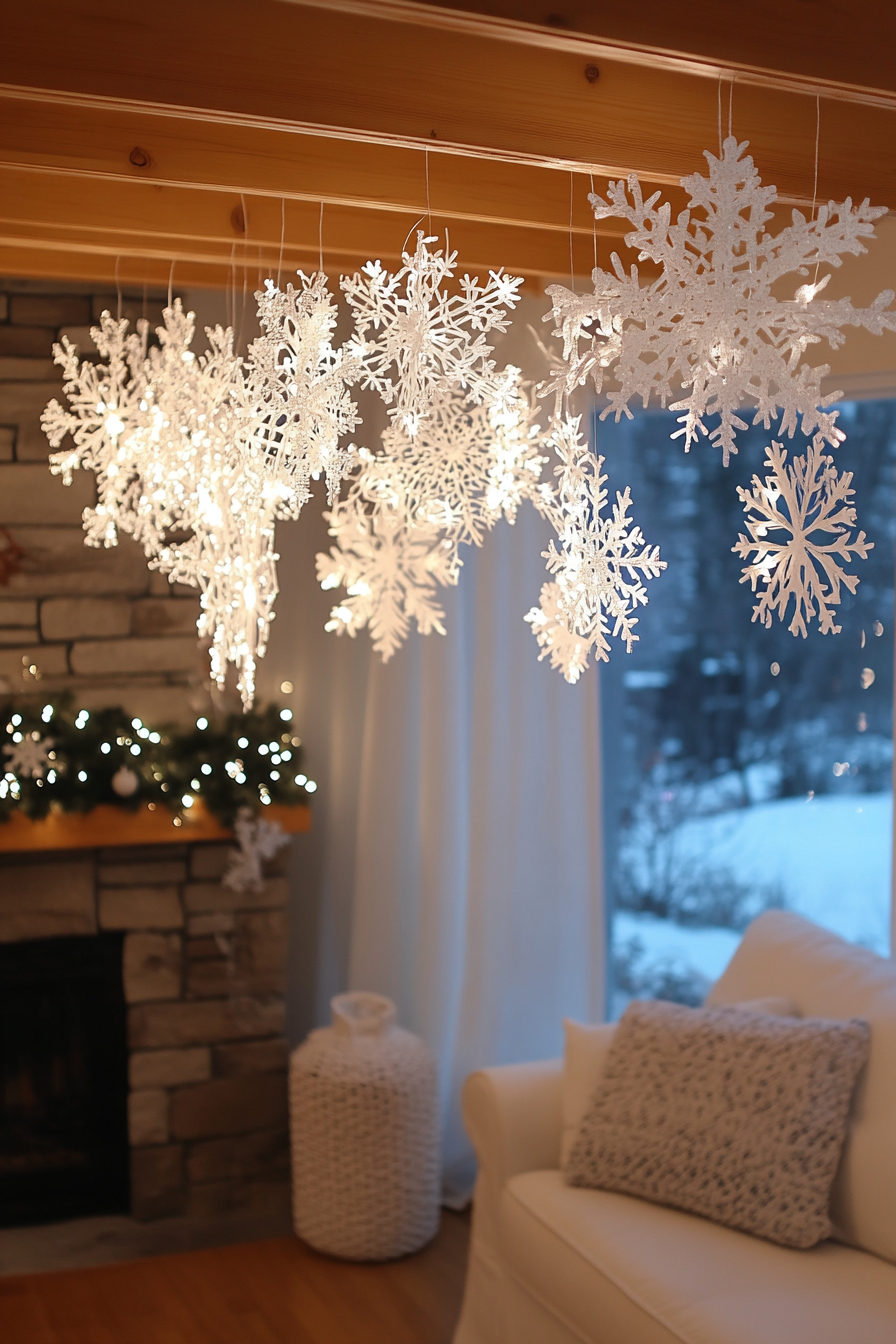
point(55, 758)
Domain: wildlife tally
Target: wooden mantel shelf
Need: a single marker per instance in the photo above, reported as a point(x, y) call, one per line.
point(108, 826)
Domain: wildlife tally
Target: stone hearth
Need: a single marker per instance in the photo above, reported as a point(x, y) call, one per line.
point(203, 971)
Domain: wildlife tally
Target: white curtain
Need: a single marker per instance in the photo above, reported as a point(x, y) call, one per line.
point(455, 863)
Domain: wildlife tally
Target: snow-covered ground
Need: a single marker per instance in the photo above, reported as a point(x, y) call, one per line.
point(831, 857)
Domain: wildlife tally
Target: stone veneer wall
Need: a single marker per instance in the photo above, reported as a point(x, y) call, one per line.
point(91, 620)
point(203, 980)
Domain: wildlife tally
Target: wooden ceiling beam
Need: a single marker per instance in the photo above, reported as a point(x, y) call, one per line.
point(148, 133)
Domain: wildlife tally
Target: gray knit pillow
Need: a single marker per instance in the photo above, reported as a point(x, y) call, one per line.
point(732, 1114)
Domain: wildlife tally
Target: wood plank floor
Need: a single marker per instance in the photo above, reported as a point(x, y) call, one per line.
point(264, 1292)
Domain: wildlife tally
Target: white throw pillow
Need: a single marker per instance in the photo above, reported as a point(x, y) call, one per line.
point(586, 1049)
point(782, 953)
point(737, 1115)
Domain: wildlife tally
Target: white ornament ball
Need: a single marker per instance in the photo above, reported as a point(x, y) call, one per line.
point(125, 782)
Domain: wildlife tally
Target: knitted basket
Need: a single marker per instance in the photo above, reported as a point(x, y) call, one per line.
point(365, 1134)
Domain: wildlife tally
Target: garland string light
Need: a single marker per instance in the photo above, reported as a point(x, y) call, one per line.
point(56, 759)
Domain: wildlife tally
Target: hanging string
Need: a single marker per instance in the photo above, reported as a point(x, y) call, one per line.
point(817, 134)
point(144, 301)
point(118, 287)
point(282, 236)
point(815, 179)
point(171, 280)
point(731, 102)
point(719, 92)
point(572, 273)
point(320, 240)
point(245, 267)
point(428, 206)
point(593, 222)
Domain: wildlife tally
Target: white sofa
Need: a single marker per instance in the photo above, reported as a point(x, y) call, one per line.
point(550, 1264)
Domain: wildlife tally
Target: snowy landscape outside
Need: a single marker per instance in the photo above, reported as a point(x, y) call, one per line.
point(745, 769)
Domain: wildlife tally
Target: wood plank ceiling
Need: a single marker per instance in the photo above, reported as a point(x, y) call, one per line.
point(208, 134)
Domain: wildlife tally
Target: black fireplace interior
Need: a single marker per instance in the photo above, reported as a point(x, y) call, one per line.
point(63, 1080)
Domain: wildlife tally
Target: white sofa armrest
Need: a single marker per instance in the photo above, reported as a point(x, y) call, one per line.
point(513, 1117)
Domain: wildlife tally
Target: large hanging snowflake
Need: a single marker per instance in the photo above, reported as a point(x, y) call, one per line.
point(712, 323)
point(599, 567)
point(416, 340)
point(30, 757)
point(298, 407)
point(800, 519)
point(178, 468)
point(105, 413)
point(412, 507)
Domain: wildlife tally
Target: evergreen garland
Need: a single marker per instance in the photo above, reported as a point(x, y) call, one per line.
point(53, 758)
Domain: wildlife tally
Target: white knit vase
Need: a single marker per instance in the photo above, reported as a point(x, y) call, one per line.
point(365, 1134)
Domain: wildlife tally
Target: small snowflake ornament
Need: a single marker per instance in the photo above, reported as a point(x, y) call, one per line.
point(29, 758)
point(416, 339)
point(598, 568)
point(800, 520)
point(711, 324)
point(258, 841)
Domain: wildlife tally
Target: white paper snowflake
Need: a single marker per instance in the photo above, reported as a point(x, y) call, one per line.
point(390, 571)
point(412, 507)
point(29, 758)
point(800, 519)
point(181, 468)
point(298, 408)
point(598, 568)
point(258, 840)
point(105, 412)
point(711, 322)
point(417, 340)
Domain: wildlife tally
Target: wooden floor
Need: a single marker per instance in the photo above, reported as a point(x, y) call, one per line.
point(263, 1292)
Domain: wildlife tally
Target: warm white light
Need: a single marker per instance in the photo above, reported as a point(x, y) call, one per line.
point(187, 800)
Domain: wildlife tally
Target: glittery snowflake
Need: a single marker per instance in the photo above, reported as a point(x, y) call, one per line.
point(298, 407)
point(103, 416)
point(178, 469)
point(598, 568)
point(29, 758)
point(258, 841)
point(417, 340)
point(800, 519)
point(412, 507)
point(711, 323)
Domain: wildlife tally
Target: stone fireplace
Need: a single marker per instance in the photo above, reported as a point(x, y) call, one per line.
point(202, 978)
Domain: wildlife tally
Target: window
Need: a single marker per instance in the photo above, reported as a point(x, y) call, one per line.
point(744, 768)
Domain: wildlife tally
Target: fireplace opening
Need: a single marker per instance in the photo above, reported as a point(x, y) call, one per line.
point(63, 1080)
